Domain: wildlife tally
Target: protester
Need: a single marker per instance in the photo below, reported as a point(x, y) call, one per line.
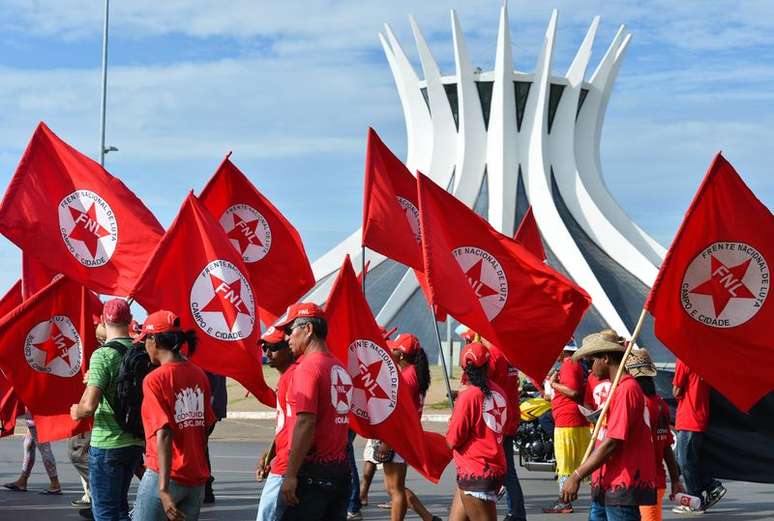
point(475, 437)
point(369, 471)
point(691, 421)
point(622, 465)
point(176, 414)
point(49, 462)
point(219, 405)
point(114, 454)
point(640, 366)
point(317, 481)
point(571, 428)
point(279, 357)
point(598, 388)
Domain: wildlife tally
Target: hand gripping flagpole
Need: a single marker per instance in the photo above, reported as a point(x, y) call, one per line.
point(443, 361)
point(618, 375)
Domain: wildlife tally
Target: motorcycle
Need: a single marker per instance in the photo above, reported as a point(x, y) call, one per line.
point(535, 438)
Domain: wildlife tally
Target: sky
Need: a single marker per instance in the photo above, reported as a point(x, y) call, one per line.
point(291, 89)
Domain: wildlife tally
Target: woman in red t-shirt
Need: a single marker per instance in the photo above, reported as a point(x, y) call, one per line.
point(476, 438)
point(176, 414)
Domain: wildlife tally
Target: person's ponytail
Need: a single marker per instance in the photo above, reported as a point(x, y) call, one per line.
point(477, 376)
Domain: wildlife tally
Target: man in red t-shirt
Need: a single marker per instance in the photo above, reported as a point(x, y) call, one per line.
point(622, 463)
point(316, 482)
point(691, 421)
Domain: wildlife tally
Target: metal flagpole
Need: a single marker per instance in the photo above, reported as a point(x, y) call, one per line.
point(450, 344)
point(362, 268)
point(104, 85)
point(443, 362)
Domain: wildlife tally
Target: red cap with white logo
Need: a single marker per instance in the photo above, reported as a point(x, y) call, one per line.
point(159, 322)
point(273, 335)
point(405, 343)
point(300, 310)
point(474, 353)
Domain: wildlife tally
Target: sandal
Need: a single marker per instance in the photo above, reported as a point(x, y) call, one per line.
point(384, 506)
point(14, 487)
point(49, 492)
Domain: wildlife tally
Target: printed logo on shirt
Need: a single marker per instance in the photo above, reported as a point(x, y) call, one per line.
point(486, 277)
point(189, 407)
point(222, 302)
point(600, 392)
point(725, 285)
point(412, 216)
point(375, 378)
point(341, 392)
point(54, 347)
point(89, 228)
point(280, 418)
point(495, 413)
point(248, 231)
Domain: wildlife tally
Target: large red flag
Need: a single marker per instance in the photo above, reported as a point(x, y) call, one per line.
point(47, 342)
point(382, 408)
point(709, 300)
point(64, 210)
point(528, 235)
point(269, 245)
point(36, 276)
point(492, 284)
point(10, 406)
point(196, 273)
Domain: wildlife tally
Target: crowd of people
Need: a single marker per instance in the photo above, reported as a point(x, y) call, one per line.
point(310, 470)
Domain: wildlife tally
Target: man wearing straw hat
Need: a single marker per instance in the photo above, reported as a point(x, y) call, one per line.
point(622, 466)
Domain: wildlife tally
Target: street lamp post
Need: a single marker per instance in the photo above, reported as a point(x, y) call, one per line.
point(102, 149)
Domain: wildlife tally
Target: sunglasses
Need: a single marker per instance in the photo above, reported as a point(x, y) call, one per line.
point(289, 328)
point(273, 347)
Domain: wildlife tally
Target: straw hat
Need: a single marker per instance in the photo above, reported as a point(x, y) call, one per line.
point(639, 363)
point(597, 343)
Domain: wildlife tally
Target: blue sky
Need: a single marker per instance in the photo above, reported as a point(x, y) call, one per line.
point(291, 89)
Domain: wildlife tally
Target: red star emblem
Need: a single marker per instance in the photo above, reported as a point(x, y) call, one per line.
point(227, 300)
point(342, 389)
point(724, 284)
point(480, 288)
point(496, 412)
point(366, 380)
point(244, 233)
point(87, 228)
point(57, 345)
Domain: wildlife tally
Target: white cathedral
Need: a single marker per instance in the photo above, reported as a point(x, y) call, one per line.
point(501, 141)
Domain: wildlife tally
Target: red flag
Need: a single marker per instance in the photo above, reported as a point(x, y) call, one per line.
point(47, 342)
point(381, 407)
point(36, 276)
point(528, 235)
point(196, 273)
point(269, 245)
point(10, 406)
point(492, 284)
point(709, 300)
point(64, 210)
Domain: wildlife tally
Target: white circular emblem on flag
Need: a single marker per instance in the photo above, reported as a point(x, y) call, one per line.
point(725, 285)
point(222, 302)
point(341, 389)
point(54, 347)
point(248, 231)
point(89, 228)
point(412, 215)
point(495, 412)
point(486, 277)
point(375, 378)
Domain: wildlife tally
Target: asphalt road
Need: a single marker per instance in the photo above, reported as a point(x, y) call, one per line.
point(237, 493)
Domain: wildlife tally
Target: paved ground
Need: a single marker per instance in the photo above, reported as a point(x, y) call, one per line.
point(236, 448)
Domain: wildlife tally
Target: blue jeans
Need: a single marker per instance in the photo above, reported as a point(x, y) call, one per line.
point(110, 473)
point(148, 507)
point(270, 508)
point(600, 512)
point(512, 486)
point(689, 459)
point(354, 497)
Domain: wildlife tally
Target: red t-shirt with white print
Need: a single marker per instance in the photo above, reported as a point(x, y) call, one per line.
point(564, 408)
point(177, 395)
point(282, 430)
point(475, 434)
point(693, 406)
point(658, 411)
point(409, 378)
point(597, 390)
point(507, 377)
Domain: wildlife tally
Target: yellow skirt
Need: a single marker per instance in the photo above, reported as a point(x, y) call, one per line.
point(569, 446)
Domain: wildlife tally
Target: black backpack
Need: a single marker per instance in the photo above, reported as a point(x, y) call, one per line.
point(127, 401)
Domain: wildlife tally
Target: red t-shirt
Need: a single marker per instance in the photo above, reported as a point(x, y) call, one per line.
point(658, 412)
point(408, 376)
point(321, 386)
point(476, 437)
point(596, 391)
point(282, 430)
point(693, 405)
point(507, 377)
point(565, 410)
point(628, 477)
point(177, 395)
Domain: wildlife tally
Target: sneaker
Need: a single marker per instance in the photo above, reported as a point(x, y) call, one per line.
point(714, 495)
point(354, 516)
point(558, 508)
point(686, 510)
point(81, 502)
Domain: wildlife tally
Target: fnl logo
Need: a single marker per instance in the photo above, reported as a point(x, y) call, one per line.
point(248, 231)
point(486, 277)
point(89, 228)
point(375, 378)
point(725, 285)
point(54, 347)
point(222, 302)
point(412, 216)
point(495, 412)
point(341, 392)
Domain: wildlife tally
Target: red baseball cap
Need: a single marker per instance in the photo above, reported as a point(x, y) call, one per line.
point(273, 335)
point(405, 343)
point(475, 353)
point(159, 322)
point(300, 310)
point(134, 329)
point(468, 335)
point(116, 311)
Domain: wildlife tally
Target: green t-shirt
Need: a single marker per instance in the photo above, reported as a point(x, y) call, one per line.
point(103, 371)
